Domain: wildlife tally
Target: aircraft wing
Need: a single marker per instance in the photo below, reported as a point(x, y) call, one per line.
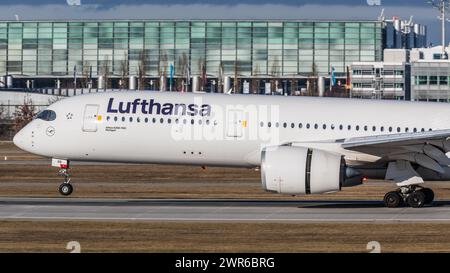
point(427, 149)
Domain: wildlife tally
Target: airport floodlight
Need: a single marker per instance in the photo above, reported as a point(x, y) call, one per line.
point(443, 6)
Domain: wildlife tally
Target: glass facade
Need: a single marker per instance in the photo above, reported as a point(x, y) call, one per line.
point(244, 48)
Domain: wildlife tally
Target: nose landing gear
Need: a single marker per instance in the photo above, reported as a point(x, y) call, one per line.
point(413, 196)
point(65, 188)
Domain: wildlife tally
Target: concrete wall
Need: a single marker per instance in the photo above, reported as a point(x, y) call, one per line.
point(10, 100)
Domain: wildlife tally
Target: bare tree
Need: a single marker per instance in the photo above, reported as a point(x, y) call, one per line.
point(106, 71)
point(275, 73)
point(142, 70)
point(236, 79)
point(2, 111)
point(221, 78)
point(54, 99)
point(181, 70)
point(86, 75)
point(293, 86)
point(24, 114)
point(275, 69)
point(312, 80)
point(164, 62)
point(202, 69)
point(255, 82)
point(164, 65)
point(124, 71)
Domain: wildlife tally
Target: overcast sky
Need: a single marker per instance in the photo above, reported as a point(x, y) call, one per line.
point(224, 9)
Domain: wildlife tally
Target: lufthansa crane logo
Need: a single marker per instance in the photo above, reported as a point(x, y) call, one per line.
point(74, 2)
point(50, 131)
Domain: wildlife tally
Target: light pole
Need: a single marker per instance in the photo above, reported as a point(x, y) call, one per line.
point(443, 7)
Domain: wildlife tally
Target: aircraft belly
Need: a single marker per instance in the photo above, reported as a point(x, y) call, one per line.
point(136, 146)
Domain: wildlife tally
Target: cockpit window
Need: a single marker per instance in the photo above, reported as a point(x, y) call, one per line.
point(47, 115)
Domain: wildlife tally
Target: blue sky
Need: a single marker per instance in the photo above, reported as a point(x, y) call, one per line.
point(223, 9)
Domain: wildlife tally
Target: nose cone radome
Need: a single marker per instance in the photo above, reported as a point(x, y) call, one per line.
point(20, 140)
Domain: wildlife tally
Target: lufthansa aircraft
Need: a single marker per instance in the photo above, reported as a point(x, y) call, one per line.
point(303, 145)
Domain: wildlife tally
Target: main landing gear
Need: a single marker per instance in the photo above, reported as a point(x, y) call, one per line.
point(65, 188)
point(413, 196)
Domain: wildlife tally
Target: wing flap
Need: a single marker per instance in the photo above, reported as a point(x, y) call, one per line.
point(427, 149)
point(436, 154)
point(403, 173)
point(406, 139)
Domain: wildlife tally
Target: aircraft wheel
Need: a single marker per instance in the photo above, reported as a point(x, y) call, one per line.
point(416, 199)
point(393, 199)
point(65, 189)
point(429, 195)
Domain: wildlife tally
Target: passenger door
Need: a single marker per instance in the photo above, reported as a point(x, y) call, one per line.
point(90, 118)
point(235, 123)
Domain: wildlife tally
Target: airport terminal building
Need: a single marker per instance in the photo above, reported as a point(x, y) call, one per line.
point(181, 55)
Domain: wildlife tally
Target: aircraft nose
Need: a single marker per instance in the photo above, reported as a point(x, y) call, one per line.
point(20, 139)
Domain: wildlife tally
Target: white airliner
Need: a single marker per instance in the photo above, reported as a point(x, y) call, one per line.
point(303, 145)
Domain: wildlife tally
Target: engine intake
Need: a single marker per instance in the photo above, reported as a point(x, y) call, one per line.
point(299, 170)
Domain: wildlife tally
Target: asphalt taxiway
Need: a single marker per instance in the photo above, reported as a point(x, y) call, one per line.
point(217, 210)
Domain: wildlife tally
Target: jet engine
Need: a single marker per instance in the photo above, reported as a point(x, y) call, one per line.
point(299, 170)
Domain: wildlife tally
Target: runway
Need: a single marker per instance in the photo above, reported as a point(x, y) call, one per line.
point(216, 210)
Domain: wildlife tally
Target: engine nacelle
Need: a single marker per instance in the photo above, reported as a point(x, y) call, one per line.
point(299, 170)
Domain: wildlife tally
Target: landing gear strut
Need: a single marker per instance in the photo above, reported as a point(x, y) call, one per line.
point(65, 188)
point(413, 196)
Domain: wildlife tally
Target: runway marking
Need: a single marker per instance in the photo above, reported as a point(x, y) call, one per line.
point(217, 211)
point(230, 219)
